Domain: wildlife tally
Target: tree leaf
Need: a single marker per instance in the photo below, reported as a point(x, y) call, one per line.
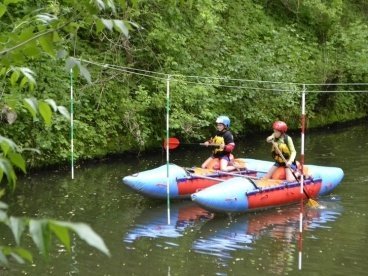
point(63, 111)
point(7, 144)
point(31, 105)
point(40, 234)
point(52, 103)
point(3, 205)
point(17, 160)
point(2, 9)
point(70, 63)
point(121, 27)
point(45, 112)
point(17, 227)
point(62, 233)
point(85, 73)
point(86, 233)
point(3, 259)
point(29, 74)
point(23, 253)
point(7, 168)
point(100, 4)
point(108, 23)
point(46, 18)
point(99, 26)
point(46, 42)
point(14, 77)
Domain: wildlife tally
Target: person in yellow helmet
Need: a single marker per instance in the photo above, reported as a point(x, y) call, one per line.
point(285, 144)
point(225, 141)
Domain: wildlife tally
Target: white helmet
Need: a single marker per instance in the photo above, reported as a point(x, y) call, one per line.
point(223, 120)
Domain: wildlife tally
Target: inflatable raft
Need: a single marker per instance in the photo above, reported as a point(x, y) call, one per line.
point(241, 194)
point(182, 181)
point(185, 181)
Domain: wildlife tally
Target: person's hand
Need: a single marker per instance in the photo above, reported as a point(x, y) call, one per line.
point(206, 143)
point(222, 146)
point(293, 167)
point(269, 139)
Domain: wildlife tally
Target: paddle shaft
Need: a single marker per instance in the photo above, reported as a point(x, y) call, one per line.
point(207, 177)
point(237, 174)
point(222, 180)
point(173, 143)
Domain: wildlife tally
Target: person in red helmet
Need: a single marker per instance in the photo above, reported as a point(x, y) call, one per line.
point(285, 144)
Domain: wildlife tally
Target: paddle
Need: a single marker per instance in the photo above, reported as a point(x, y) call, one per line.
point(173, 143)
point(311, 202)
point(221, 180)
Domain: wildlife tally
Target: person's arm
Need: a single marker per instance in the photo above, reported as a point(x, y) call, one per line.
point(229, 147)
point(206, 143)
point(292, 151)
point(270, 138)
point(229, 142)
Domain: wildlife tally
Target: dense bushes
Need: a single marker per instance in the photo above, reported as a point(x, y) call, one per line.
point(209, 48)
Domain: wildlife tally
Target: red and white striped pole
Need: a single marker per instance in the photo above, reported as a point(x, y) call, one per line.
point(301, 180)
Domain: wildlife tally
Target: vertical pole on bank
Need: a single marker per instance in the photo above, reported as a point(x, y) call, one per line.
point(167, 147)
point(301, 180)
point(71, 124)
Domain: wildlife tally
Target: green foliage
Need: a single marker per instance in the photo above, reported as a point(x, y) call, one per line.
point(41, 232)
point(33, 33)
point(282, 44)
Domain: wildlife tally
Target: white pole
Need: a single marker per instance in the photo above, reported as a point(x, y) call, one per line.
point(167, 147)
point(71, 123)
point(301, 181)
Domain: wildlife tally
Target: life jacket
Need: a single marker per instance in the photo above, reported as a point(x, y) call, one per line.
point(218, 140)
point(282, 144)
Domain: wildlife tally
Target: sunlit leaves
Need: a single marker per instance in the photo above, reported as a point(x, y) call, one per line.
point(43, 108)
point(2, 9)
point(61, 232)
point(9, 158)
point(85, 233)
point(17, 226)
point(7, 145)
point(45, 112)
point(25, 74)
point(7, 169)
point(46, 18)
point(41, 232)
point(17, 160)
point(72, 63)
point(121, 27)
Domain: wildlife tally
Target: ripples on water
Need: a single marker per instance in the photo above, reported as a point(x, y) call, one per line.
point(333, 241)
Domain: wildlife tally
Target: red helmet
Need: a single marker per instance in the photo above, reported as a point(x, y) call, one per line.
point(280, 126)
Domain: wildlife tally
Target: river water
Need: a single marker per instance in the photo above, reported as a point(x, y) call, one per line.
point(334, 239)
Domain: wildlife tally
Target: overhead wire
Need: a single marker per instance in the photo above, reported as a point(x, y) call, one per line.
point(183, 78)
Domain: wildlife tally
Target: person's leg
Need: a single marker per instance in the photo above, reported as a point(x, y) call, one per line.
point(270, 172)
point(205, 163)
point(226, 164)
point(289, 175)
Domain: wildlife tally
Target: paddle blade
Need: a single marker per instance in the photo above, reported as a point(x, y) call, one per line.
point(312, 203)
point(172, 143)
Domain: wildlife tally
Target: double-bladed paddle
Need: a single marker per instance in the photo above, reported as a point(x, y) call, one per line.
point(173, 143)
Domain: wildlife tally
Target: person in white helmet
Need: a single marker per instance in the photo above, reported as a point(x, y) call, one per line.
point(225, 141)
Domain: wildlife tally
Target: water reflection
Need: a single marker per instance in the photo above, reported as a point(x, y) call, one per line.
point(224, 237)
point(152, 223)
